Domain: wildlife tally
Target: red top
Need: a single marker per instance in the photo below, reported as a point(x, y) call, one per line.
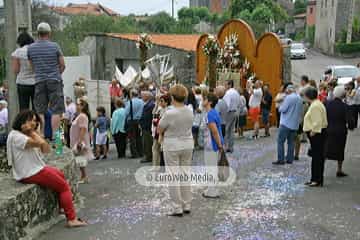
point(115, 91)
point(322, 96)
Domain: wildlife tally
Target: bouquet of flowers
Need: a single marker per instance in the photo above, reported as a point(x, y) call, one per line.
point(211, 47)
point(229, 56)
point(144, 41)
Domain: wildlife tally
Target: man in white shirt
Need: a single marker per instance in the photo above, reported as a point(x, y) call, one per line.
point(232, 99)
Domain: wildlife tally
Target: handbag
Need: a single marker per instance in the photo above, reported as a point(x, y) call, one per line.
point(223, 167)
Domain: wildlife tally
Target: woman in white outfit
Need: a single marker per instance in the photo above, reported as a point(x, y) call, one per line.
point(178, 144)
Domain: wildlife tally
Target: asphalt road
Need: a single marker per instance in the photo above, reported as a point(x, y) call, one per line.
point(266, 203)
point(315, 65)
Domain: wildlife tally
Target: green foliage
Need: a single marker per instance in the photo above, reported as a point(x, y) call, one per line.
point(245, 15)
point(311, 35)
point(159, 23)
point(356, 29)
point(241, 8)
point(300, 6)
point(300, 35)
point(195, 14)
point(348, 48)
point(262, 14)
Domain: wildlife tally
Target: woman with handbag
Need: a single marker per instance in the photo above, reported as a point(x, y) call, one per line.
point(80, 138)
point(214, 142)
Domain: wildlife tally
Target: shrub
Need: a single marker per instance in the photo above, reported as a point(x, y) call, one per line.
point(345, 48)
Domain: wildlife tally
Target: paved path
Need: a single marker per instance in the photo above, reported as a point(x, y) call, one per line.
point(265, 203)
point(315, 64)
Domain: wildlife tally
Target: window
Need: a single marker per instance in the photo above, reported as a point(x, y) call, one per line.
point(330, 32)
point(325, 3)
point(311, 10)
point(322, 3)
point(333, 3)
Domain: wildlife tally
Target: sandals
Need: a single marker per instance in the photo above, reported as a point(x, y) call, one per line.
point(81, 223)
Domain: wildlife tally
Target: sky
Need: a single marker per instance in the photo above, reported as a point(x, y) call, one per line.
point(125, 7)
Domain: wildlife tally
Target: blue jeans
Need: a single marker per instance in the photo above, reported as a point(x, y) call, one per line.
point(289, 135)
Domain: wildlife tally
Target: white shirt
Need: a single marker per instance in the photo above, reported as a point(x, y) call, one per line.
point(255, 98)
point(232, 99)
point(4, 117)
point(26, 75)
point(70, 112)
point(25, 162)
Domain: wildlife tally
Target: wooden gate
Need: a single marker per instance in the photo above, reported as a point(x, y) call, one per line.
point(265, 55)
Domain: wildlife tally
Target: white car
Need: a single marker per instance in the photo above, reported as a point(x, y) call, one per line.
point(343, 74)
point(285, 41)
point(297, 51)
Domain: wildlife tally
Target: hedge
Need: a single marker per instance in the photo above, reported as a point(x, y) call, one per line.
point(345, 48)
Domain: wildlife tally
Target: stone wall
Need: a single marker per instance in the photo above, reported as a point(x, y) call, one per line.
point(27, 210)
point(104, 51)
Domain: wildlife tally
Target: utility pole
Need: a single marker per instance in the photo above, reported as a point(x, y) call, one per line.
point(11, 29)
point(173, 8)
point(350, 22)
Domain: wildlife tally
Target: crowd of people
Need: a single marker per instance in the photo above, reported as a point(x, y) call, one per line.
point(324, 114)
point(163, 126)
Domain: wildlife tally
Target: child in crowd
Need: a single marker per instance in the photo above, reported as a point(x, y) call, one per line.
point(102, 127)
point(243, 111)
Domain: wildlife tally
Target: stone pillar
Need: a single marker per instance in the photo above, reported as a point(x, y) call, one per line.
point(11, 29)
point(286, 68)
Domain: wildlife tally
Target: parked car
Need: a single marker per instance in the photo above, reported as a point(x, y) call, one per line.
point(343, 74)
point(297, 51)
point(286, 41)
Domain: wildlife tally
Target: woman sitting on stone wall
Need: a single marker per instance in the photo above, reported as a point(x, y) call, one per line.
point(25, 149)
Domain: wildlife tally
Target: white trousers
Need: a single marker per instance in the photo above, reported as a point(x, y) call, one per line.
point(179, 162)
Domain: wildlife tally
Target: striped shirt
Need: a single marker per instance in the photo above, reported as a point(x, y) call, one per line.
point(44, 56)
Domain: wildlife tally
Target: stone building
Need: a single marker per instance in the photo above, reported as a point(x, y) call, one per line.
point(215, 6)
point(332, 18)
point(109, 50)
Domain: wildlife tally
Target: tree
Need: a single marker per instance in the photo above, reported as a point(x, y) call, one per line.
point(300, 6)
point(195, 14)
point(262, 14)
point(238, 6)
point(245, 15)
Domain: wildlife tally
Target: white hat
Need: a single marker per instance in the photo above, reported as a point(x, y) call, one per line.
point(339, 92)
point(43, 27)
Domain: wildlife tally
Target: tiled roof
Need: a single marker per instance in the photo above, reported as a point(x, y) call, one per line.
point(85, 9)
point(180, 41)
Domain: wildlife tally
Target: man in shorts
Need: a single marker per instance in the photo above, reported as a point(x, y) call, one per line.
point(47, 61)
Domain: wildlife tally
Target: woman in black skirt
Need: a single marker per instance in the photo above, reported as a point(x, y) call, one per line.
point(337, 114)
